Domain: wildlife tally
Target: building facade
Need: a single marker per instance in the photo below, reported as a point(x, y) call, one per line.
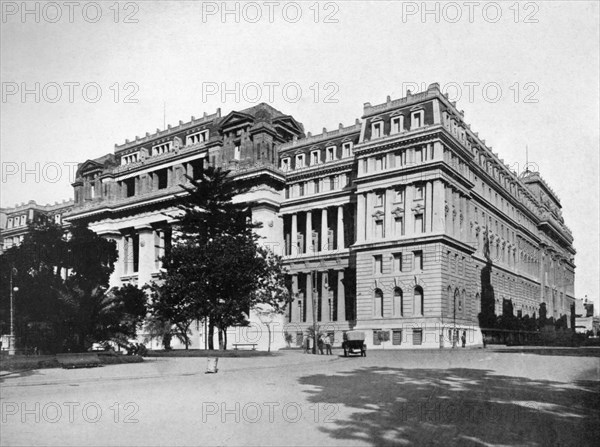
point(399, 225)
point(14, 221)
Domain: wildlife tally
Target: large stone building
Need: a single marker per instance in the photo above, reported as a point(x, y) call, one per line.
point(14, 221)
point(394, 225)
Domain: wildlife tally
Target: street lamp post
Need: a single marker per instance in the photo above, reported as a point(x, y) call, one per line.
point(314, 309)
point(454, 318)
point(12, 338)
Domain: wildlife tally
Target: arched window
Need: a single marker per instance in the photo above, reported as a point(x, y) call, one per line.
point(378, 303)
point(398, 302)
point(418, 305)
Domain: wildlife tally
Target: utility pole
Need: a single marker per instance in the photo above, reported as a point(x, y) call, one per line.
point(12, 338)
point(314, 308)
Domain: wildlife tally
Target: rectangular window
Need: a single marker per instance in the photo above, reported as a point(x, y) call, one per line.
point(331, 183)
point(347, 149)
point(314, 158)
point(331, 153)
point(365, 163)
point(396, 337)
point(10, 223)
point(397, 124)
point(377, 130)
point(419, 155)
point(129, 187)
point(301, 186)
point(379, 229)
point(416, 120)
point(316, 185)
point(376, 340)
point(380, 163)
point(418, 223)
point(162, 178)
point(378, 264)
point(418, 260)
point(399, 226)
point(237, 152)
point(417, 337)
point(397, 262)
point(418, 192)
point(299, 161)
point(198, 137)
point(162, 148)
point(285, 164)
point(399, 195)
point(379, 199)
point(287, 192)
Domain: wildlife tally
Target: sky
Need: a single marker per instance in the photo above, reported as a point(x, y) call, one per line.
point(79, 77)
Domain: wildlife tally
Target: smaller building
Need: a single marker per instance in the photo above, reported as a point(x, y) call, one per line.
point(585, 320)
point(14, 221)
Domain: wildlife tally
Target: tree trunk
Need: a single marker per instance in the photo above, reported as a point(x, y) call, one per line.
point(220, 339)
point(211, 335)
point(166, 341)
point(225, 339)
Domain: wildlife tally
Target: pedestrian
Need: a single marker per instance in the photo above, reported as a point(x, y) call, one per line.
point(307, 345)
point(327, 341)
point(463, 338)
point(321, 344)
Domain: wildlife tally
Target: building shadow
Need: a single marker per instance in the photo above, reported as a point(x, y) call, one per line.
point(395, 406)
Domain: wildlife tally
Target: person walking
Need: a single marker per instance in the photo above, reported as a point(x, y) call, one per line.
point(320, 345)
point(307, 345)
point(327, 341)
point(463, 338)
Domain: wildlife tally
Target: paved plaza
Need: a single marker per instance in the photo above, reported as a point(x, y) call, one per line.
point(462, 397)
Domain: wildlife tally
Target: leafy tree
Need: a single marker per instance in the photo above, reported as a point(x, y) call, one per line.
point(56, 314)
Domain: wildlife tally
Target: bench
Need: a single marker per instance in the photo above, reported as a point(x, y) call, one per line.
point(236, 345)
point(82, 360)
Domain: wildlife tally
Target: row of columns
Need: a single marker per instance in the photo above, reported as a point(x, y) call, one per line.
point(324, 246)
point(298, 307)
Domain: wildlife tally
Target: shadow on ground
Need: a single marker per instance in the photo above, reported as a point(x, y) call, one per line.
point(394, 406)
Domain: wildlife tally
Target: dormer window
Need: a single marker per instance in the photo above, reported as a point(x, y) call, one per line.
point(285, 164)
point(130, 158)
point(198, 137)
point(347, 149)
point(57, 219)
point(10, 223)
point(163, 148)
point(299, 161)
point(331, 153)
point(417, 119)
point(377, 130)
point(314, 157)
point(397, 124)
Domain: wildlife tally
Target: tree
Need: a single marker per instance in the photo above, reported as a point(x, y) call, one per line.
point(56, 314)
point(217, 270)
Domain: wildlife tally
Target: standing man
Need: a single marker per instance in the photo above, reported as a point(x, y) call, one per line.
point(463, 338)
point(328, 345)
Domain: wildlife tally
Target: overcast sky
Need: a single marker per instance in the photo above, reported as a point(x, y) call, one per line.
point(98, 73)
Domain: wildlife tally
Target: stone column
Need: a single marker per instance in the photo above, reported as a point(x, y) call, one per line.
point(388, 222)
point(115, 276)
point(308, 236)
point(294, 245)
point(324, 231)
point(438, 215)
point(360, 218)
point(428, 213)
point(340, 227)
point(341, 297)
point(325, 297)
point(146, 254)
point(369, 217)
point(296, 317)
point(309, 298)
point(409, 217)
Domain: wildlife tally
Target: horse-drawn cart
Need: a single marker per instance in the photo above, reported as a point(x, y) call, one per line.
point(354, 343)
